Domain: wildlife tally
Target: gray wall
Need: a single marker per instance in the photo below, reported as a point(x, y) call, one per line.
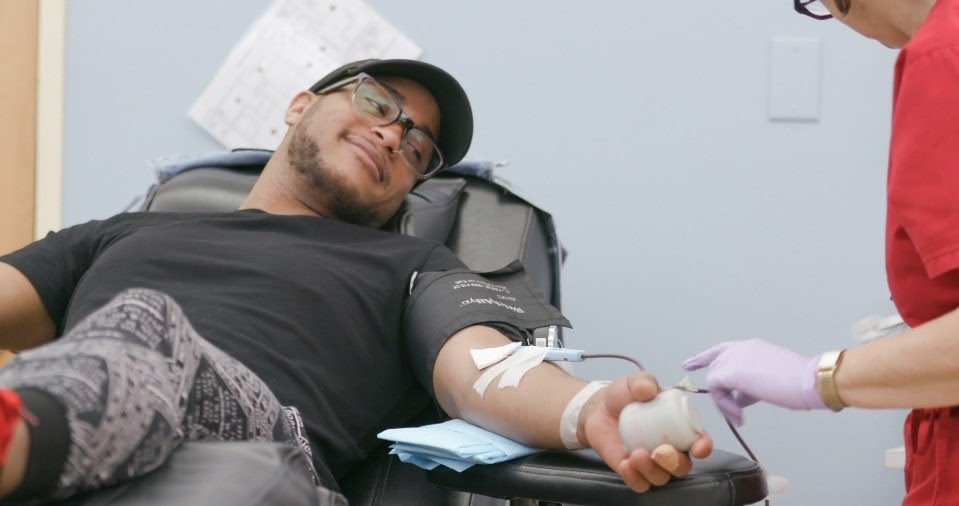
point(690, 218)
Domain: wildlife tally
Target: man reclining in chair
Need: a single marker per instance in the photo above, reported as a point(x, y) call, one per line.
point(287, 320)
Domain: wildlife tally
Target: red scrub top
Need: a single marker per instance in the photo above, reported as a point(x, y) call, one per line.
point(922, 229)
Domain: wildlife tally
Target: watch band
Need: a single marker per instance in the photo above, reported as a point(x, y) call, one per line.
point(825, 379)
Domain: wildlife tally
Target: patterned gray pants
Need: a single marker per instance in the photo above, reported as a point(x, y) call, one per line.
point(136, 380)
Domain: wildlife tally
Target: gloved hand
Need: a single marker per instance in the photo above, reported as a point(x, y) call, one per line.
point(742, 373)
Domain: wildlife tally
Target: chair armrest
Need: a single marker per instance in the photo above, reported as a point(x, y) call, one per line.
point(382, 480)
point(581, 477)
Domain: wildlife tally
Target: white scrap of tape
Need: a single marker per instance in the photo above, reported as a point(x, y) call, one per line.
point(874, 327)
point(486, 357)
point(686, 384)
point(523, 360)
point(777, 486)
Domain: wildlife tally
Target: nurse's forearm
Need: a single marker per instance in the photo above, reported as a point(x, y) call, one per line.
point(916, 369)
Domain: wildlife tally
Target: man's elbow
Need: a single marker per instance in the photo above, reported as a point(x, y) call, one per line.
point(454, 372)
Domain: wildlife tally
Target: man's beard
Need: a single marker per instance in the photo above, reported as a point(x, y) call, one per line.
point(340, 200)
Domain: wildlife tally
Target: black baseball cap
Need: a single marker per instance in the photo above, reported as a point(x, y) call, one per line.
point(456, 116)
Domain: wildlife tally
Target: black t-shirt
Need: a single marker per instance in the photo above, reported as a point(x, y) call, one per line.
point(313, 306)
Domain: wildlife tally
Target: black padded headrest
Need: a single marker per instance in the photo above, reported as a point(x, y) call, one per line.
point(429, 211)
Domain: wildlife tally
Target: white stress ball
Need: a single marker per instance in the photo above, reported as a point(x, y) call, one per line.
point(670, 417)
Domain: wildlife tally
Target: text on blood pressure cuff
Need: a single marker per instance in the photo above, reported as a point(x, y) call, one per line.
point(442, 303)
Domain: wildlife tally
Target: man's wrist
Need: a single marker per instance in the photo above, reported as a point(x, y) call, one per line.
point(570, 425)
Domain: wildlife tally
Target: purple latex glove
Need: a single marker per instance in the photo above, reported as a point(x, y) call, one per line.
point(742, 373)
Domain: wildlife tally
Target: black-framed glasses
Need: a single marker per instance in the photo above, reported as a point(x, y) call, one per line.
point(375, 104)
point(812, 8)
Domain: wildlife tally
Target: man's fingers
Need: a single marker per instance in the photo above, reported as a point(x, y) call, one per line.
point(666, 457)
point(603, 435)
point(702, 447)
point(625, 390)
point(652, 472)
point(642, 386)
point(632, 477)
point(672, 460)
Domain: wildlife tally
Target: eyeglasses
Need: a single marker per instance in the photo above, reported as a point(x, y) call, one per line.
point(375, 104)
point(812, 8)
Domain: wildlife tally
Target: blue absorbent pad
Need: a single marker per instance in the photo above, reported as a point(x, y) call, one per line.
point(455, 444)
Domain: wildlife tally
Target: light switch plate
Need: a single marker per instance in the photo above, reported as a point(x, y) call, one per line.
point(795, 79)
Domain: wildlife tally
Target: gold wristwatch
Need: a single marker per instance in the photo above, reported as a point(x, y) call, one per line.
point(825, 381)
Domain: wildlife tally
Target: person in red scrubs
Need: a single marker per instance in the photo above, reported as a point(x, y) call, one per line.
point(919, 368)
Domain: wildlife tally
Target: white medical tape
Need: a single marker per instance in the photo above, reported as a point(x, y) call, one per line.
point(520, 356)
point(513, 375)
point(570, 419)
point(486, 357)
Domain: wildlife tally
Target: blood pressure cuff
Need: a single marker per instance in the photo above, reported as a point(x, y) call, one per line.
point(442, 303)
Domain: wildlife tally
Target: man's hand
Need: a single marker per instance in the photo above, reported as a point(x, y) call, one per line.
point(640, 469)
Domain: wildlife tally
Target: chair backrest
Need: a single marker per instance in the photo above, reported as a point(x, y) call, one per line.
point(468, 209)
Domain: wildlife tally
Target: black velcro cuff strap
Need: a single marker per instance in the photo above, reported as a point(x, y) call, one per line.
point(442, 303)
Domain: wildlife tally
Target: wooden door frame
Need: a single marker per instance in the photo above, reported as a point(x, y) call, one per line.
point(31, 119)
point(19, 29)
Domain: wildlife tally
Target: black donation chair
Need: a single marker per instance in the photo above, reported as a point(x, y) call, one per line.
point(488, 226)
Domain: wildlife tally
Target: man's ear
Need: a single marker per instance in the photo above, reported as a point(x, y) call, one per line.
point(298, 106)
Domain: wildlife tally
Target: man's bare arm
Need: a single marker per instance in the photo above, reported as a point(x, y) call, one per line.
point(531, 412)
point(24, 321)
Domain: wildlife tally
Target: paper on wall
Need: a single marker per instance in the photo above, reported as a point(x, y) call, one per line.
point(291, 46)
